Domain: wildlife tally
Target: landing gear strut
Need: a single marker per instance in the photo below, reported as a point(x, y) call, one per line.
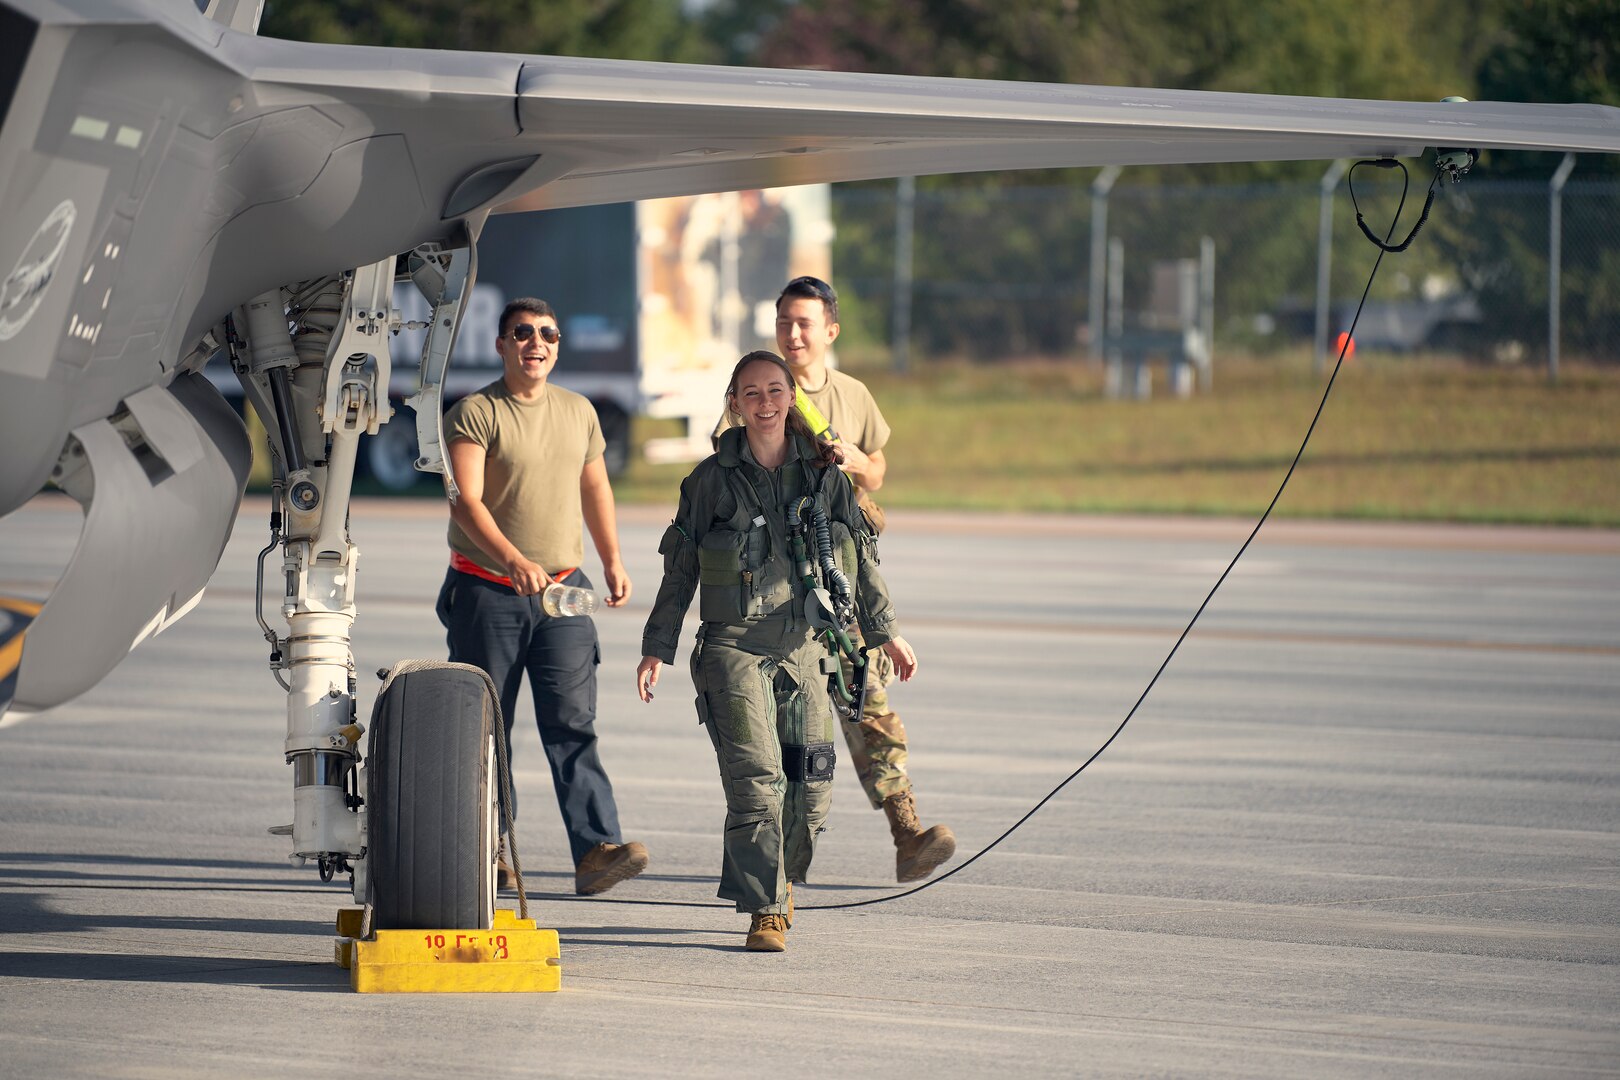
point(314, 360)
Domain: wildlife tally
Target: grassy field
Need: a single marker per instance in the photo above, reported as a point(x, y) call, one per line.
point(1401, 438)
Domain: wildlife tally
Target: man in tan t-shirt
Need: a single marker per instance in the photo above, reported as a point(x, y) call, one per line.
point(527, 458)
point(806, 327)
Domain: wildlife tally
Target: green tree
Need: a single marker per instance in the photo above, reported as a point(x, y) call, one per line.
point(627, 29)
point(1552, 51)
point(1556, 51)
point(735, 29)
point(1331, 48)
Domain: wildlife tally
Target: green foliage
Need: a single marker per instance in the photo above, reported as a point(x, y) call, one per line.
point(735, 29)
point(628, 29)
point(1326, 48)
point(1370, 48)
point(1550, 51)
point(1556, 51)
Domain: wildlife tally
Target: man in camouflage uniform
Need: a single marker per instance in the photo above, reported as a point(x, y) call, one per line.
point(806, 326)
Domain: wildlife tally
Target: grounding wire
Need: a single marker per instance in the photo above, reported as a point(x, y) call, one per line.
point(1384, 247)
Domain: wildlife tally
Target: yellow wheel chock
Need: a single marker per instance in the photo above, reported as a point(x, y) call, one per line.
point(510, 957)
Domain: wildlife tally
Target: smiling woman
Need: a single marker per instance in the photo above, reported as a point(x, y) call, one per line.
point(743, 535)
point(761, 394)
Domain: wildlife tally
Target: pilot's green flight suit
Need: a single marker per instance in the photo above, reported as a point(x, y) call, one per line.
point(756, 666)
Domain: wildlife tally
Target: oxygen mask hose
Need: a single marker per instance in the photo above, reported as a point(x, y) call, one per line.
point(1443, 168)
point(829, 609)
point(837, 582)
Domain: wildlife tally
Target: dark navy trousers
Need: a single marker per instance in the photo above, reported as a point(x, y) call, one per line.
point(494, 628)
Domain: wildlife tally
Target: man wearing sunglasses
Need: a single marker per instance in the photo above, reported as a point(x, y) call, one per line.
point(527, 458)
point(806, 327)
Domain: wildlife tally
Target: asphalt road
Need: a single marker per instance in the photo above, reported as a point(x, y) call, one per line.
point(1364, 825)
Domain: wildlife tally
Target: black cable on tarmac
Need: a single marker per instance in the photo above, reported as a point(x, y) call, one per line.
point(1385, 247)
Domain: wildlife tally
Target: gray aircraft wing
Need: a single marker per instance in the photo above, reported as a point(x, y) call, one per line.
point(158, 169)
point(613, 131)
point(633, 131)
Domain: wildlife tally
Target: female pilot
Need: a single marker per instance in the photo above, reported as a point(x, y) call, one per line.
point(744, 537)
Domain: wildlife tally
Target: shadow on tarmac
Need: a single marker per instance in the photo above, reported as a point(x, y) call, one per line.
point(28, 871)
point(288, 975)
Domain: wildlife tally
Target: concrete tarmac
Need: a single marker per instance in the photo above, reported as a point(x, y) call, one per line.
point(1365, 825)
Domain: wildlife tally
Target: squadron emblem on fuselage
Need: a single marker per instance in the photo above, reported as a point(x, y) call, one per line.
point(25, 286)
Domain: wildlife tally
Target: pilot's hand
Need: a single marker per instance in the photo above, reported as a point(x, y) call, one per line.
point(647, 676)
point(528, 579)
point(905, 661)
point(617, 581)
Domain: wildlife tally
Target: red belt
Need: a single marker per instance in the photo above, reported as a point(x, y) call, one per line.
point(458, 561)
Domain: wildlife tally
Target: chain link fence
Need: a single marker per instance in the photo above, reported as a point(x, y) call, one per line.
point(1001, 272)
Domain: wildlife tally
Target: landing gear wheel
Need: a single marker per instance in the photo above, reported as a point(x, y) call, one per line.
point(431, 803)
point(615, 425)
point(391, 453)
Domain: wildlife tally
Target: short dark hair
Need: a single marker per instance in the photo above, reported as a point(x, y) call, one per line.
point(525, 305)
point(810, 288)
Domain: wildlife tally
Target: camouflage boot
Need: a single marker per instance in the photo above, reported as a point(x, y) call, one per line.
point(917, 853)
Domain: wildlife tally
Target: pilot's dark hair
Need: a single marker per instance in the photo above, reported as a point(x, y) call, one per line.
point(795, 422)
point(760, 354)
point(525, 304)
point(810, 288)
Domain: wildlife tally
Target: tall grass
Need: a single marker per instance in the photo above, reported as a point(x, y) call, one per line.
point(1401, 438)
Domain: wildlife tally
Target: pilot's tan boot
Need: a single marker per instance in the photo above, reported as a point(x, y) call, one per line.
point(767, 933)
point(917, 853)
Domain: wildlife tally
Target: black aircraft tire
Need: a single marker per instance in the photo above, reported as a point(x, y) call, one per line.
point(615, 424)
point(390, 455)
point(430, 803)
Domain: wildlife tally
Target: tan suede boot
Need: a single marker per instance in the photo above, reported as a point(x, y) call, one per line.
point(505, 876)
point(767, 933)
point(605, 865)
point(918, 853)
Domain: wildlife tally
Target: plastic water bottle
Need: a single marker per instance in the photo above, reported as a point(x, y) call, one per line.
point(560, 599)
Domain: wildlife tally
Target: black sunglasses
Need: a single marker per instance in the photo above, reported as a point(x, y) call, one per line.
point(548, 334)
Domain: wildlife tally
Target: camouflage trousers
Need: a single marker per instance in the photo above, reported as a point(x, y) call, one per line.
point(760, 688)
point(877, 745)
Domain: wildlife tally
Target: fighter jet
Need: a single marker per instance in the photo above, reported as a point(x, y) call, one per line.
point(175, 189)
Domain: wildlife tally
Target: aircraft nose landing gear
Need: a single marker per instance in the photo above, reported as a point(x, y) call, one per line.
point(416, 823)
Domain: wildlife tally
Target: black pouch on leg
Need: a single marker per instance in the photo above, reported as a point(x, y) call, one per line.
point(803, 762)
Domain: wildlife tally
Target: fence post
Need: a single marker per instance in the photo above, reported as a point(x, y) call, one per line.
point(1099, 255)
point(905, 209)
point(1206, 311)
point(1113, 353)
point(1324, 264)
point(1555, 258)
